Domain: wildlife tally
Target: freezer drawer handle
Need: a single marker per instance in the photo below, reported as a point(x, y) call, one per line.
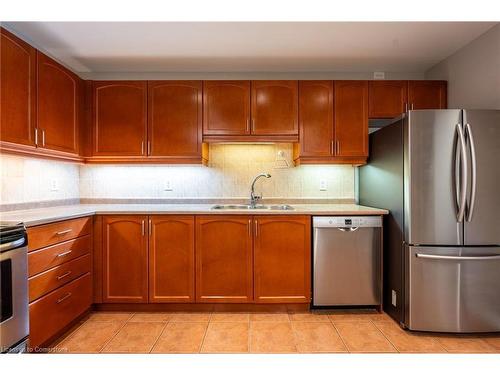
point(348, 229)
point(453, 257)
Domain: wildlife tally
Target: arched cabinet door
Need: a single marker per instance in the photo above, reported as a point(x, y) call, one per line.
point(58, 93)
point(224, 259)
point(125, 258)
point(171, 258)
point(18, 90)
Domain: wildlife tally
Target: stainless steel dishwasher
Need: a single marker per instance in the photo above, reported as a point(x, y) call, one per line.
point(347, 261)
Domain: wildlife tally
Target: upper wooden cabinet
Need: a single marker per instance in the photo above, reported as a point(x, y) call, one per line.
point(427, 94)
point(224, 271)
point(316, 118)
point(274, 108)
point(125, 255)
point(226, 107)
point(171, 258)
point(387, 99)
point(59, 96)
point(351, 118)
point(17, 90)
point(282, 259)
point(175, 119)
point(119, 114)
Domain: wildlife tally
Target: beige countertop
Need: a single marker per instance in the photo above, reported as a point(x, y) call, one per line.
point(45, 215)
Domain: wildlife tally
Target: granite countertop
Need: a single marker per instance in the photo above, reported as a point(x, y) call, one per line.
point(45, 215)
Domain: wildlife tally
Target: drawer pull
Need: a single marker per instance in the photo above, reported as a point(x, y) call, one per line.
point(64, 275)
point(64, 254)
point(64, 298)
point(63, 232)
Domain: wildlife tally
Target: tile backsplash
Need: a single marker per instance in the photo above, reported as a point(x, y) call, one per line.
point(228, 175)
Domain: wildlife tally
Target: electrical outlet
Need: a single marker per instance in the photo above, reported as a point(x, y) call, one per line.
point(54, 184)
point(167, 185)
point(322, 185)
point(378, 75)
point(393, 299)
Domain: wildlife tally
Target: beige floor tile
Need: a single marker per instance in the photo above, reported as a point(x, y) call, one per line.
point(230, 317)
point(90, 337)
point(409, 342)
point(317, 337)
point(181, 337)
point(309, 317)
point(493, 341)
point(269, 317)
point(190, 317)
point(272, 337)
point(381, 317)
point(135, 337)
point(360, 336)
point(109, 317)
point(465, 344)
point(150, 317)
point(227, 337)
point(352, 316)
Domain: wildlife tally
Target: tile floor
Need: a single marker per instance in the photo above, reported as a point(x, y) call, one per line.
point(329, 332)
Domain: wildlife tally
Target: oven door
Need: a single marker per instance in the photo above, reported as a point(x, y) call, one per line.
point(14, 319)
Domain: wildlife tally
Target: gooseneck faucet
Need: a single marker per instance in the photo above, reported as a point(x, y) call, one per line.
point(255, 198)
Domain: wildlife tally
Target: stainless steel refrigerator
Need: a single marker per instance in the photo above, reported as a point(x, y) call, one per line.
point(438, 172)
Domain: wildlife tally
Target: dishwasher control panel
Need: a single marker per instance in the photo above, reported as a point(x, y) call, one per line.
point(346, 221)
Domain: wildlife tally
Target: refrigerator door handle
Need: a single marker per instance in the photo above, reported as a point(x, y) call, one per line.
point(453, 257)
point(468, 133)
point(463, 178)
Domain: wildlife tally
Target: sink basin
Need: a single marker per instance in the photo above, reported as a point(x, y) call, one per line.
point(248, 207)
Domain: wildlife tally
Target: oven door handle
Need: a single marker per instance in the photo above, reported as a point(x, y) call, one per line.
point(12, 245)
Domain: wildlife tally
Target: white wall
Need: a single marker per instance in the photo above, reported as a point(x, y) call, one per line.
point(473, 73)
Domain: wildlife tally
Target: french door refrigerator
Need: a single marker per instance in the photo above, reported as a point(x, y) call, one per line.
point(438, 172)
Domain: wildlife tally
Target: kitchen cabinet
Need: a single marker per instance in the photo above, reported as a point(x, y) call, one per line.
point(351, 118)
point(226, 107)
point(119, 118)
point(274, 108)
point(18, 90)
point(282, 259)
point(427, 94)
point(59, 100)
point(125, 258)
point(171, 258)
point(224, 271)
point(175, 120)
point(387, 99)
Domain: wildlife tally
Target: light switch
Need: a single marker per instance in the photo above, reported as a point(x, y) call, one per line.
point(54, 184)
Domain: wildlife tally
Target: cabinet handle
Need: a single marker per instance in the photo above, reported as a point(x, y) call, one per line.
point(249, 227)
point(253, 125)
point(338, 148)
point(64, 298)
point(150, 227)
point(63, 232)
point(64, 275)
point(248, 125)
point(142, 147)
point(64, 254)
point(412, 106)
point(43, 138)
point(143, 231)
point(406, 107)
point(36, 136)
point(256, 223)
point(332, 147)
point(149, 148)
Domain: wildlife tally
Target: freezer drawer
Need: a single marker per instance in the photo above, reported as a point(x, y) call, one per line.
point(453, 289)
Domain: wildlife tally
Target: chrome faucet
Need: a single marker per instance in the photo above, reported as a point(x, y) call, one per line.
point(255, 198)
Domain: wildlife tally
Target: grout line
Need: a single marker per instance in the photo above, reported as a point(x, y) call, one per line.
point(204, 336)
point(158, 338)
point(116, 334)
point(338, 333)
point(383, 334)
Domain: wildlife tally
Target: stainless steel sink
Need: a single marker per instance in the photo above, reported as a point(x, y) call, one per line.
point(249, 207)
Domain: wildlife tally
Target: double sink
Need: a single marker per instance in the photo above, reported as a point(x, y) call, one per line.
point(282, 207)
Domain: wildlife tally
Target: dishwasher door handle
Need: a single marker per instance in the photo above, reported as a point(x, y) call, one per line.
point(348, 229)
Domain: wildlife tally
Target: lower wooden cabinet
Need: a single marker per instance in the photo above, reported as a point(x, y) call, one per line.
point(224, 271)
point(125, 258)
point(282, 259)
point(171, 258)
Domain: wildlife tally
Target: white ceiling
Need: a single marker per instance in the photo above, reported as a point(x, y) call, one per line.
point(249, 47)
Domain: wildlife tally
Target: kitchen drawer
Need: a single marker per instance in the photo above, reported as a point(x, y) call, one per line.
point(47, 281)
point(51, 313)
point(49, 257)
point(49, 234)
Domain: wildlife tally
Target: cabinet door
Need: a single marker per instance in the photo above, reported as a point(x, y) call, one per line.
point(427, 94)
point(226, 107)
point(387, 99)
point(316, 118)
point(125, 259)
point(171, 259)
point(119, 118)
point(224, 259)
point(275, 107)
point(282, 259)
point(17, 90)
point(174, 118)
point(351, 118)
point(58, 105)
